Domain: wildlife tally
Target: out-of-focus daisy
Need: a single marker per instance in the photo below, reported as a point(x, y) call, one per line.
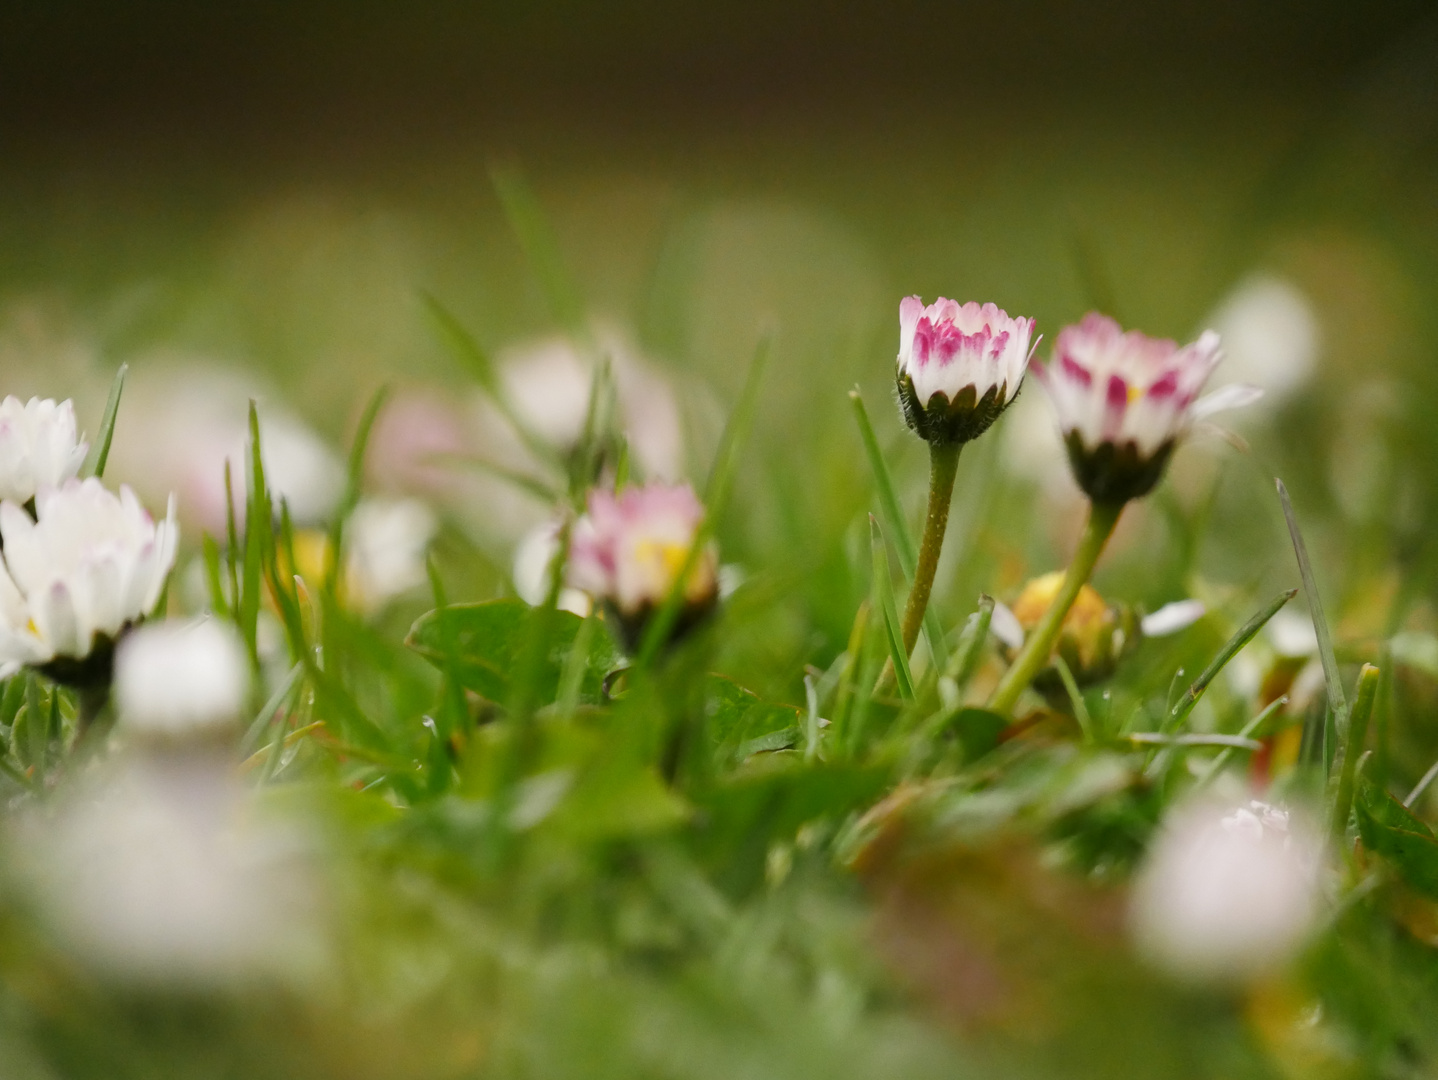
point(548, 382)
point(386, 545)
point(89, 565)
point(1124, 400)
point(39, 447)
point(192, 420)
point(157, 870)
point(1228, 892)
point(1271, 336)
point(628, 550)
point(177, 678)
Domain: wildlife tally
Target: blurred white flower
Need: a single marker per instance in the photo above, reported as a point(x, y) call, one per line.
point(300, 467)
point(39, 447)
point(972, 356)
point(173, 678)
point(1271, 336)
point(532, 557)
point(1292, 634)
point(1125, 399)
point(548, 382)
point(192, 419)
point(1228, 893)
point(92, 564)
point(629, 547)
point(157, 870)
point(386, 544)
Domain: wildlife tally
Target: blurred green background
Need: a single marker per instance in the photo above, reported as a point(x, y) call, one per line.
point(271, 188)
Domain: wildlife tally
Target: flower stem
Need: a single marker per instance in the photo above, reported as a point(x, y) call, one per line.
point(943, 467)
point(1040, 644)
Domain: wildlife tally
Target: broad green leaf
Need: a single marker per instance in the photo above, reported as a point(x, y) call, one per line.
point(481, 644)
point(1389, 829)
point(741, 724)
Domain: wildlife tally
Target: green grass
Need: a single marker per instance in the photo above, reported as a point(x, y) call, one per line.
point(730, 855)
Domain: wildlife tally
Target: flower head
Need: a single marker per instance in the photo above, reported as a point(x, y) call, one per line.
point(1125, 399)
point(1228, 892)
point(630, 547)
point(90, 564)
point(959, 366)
point(175, 678)
point(38, 446)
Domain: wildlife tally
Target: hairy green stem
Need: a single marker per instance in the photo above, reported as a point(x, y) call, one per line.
point(1040, 644)
point(943, 467)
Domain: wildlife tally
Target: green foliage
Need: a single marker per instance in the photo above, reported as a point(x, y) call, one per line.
point(481, 643)
point(1389, 829)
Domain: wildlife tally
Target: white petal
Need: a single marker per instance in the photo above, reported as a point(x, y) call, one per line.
point(1233, 396)
point(1006, 627)
point(1171, 618)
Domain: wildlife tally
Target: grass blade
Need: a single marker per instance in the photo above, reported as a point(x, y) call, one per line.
point(100, 448)
point(1247, 731)
point(1364, 694)
point(268, 710)
point(1234, 645)
point(467, 350)
point(884, 593)
point(894, 522)
point(354, 483)
point(971, 643)
point(536, 237)
point(736, 433)
point(1337, 705)
point(1075, 695)
point(716, 497)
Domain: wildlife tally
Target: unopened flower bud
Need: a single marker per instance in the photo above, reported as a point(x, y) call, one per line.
point(959, 366)
point(628, 550)
point(1124, 400)
point(1093, 638)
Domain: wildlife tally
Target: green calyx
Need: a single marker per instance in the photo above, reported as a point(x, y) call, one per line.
point(949, 423)
point(1116, 472)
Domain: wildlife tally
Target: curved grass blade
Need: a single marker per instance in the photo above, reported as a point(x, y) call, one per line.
point(1247, 731)
point(894, 522)
point(1075, 695)
point(1337, 705)
point(267, 711)
point(1364, 695)
point(716, 497)
point(100, 448)
point(541, 248)
point(354, 483)
point(467, 350)
point(884, 593)
point(1235, 644)
point(971, 643)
